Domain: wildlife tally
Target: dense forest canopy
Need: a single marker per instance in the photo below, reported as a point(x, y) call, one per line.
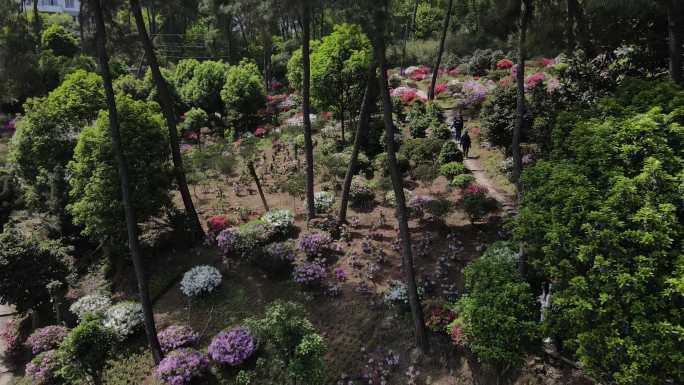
point(342, 192)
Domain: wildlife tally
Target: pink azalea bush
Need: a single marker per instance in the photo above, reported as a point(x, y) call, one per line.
point(504, 64)
point(47, 338)
point(440, 88)
point(547, 62)
point(260, 132)
point(42, 368)
point(217, 223)
point(177, 336)
point(532, 80)
point(181, 367)
point(233, 347)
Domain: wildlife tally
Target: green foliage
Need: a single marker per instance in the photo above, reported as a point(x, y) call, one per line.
point(423, 116)
point(95, 186)
point(380, 163)
point(244, 95)
point(498, 314)
point(425, 172)
point(27, 266)
point(483, 60)
point(288, 337)
point(603, 223)
point(60, 41)
point(449, 153)
point(46, 135)
point(428, 19)
point(498, 117)
point(203, 89)
point(462, 181)
point(477, 203)
point(452, 169)
point(195, 119)
point(84, 352)
point(10, 196)
point(132, 86)
point(421, 150)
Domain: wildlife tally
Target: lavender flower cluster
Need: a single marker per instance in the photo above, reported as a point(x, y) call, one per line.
point(233, 347)
point(181, 367)
point(47, 338)
point(42, 368)
point(310, 273)
point(177, 336)
point(315, 244)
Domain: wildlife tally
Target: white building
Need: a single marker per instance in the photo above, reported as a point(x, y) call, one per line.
point(55, 6)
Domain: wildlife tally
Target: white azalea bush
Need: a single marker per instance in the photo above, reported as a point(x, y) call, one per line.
point(95, 304)
point(200, 280)
point(323, 201)
point(124, 318)
point(280, 220)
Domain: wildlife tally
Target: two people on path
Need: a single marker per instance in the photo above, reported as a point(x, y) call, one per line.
point(461, 135)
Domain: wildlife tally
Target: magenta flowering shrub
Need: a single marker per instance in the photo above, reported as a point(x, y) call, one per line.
point(12, 338)
point(233, 347)
point(177, 336)
point(181, 367)
point(532, 80)
point(47, 338)
point(504, 64)
point(227, 240)
point(43, 367)
point(440, 88)
point(310, 274)
point(315, 245)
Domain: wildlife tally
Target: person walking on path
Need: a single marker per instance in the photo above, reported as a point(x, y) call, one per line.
point(465, 144)
point(457, 127)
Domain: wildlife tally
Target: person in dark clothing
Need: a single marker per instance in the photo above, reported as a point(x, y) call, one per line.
point(457, 127)
point(465, 144)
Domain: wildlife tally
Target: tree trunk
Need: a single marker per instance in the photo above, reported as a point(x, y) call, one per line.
point(413, 17)
point(36, 21)
point(520, 108)
point(435, 71)
point(570, 25)
point(674, 26)
point(252, 172)
point(369, 96)
point(582, 33)
point(306, 87)
point(342, 127)
point(131, 224)
point(167, 107)
point(268, 47)
point(397, 184)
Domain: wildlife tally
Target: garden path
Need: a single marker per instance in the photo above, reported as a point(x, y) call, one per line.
point(472, 163)
point(5, 373)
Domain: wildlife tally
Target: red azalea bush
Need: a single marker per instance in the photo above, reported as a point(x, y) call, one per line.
point(532, 80)
point(218, 223)
point(260, 131)
point(547, 62)
point(504, 64)
point(440, 88)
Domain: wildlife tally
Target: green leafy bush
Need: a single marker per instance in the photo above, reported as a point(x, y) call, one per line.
point(462, 181)
point(244, 95)
point(441, 132)
point(84, 352)
point(130, 85)
point(477, 203)
point(95, 188)
point(449, 153)
point(499, 117)
point(381, 165)
point(421, 150)
point(203, 88)
point(497, 317)
point(452, 169)
point(59, 40)
point(360, 192)
point(195, 119)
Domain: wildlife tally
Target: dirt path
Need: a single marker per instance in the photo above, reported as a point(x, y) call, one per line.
point(473, 164)
point(5, 374)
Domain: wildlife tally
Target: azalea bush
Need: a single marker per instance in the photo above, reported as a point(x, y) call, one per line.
point(43, 369)
point(449, 153)
point(310, 274)
point(360, 192)
point(244, 240)
point(280, 220)
point(397, 294)
point(276, 257)
point(46, 338)
point(391, 200)
point(462, 181)
point(323, 201)
point(182, 367)
point(473, 94)
point(316, 244)
point(124, 319)
point(477, 203)
point(93, 304)
point(177, 336)
point(232, 347)
point(200, 280)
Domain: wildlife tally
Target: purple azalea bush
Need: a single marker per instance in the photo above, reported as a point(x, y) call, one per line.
point(43, 367)
point(315, 244)
point(181, 367)
point(177, 336)
point(47, 338)
point(310, 273)
point(227, 240)
point(233, 347)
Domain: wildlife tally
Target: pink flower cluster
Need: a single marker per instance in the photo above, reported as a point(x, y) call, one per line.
point(547, 62)
point(181, 367)
point(440, 88)
point(532, 80)
point(260, 132)
point(217, 223)
point(42, 368)
point(454, 72)
point(420, 73)
point(504, 64)
point(176, 337)
point(475, 188)
point(47, 338)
